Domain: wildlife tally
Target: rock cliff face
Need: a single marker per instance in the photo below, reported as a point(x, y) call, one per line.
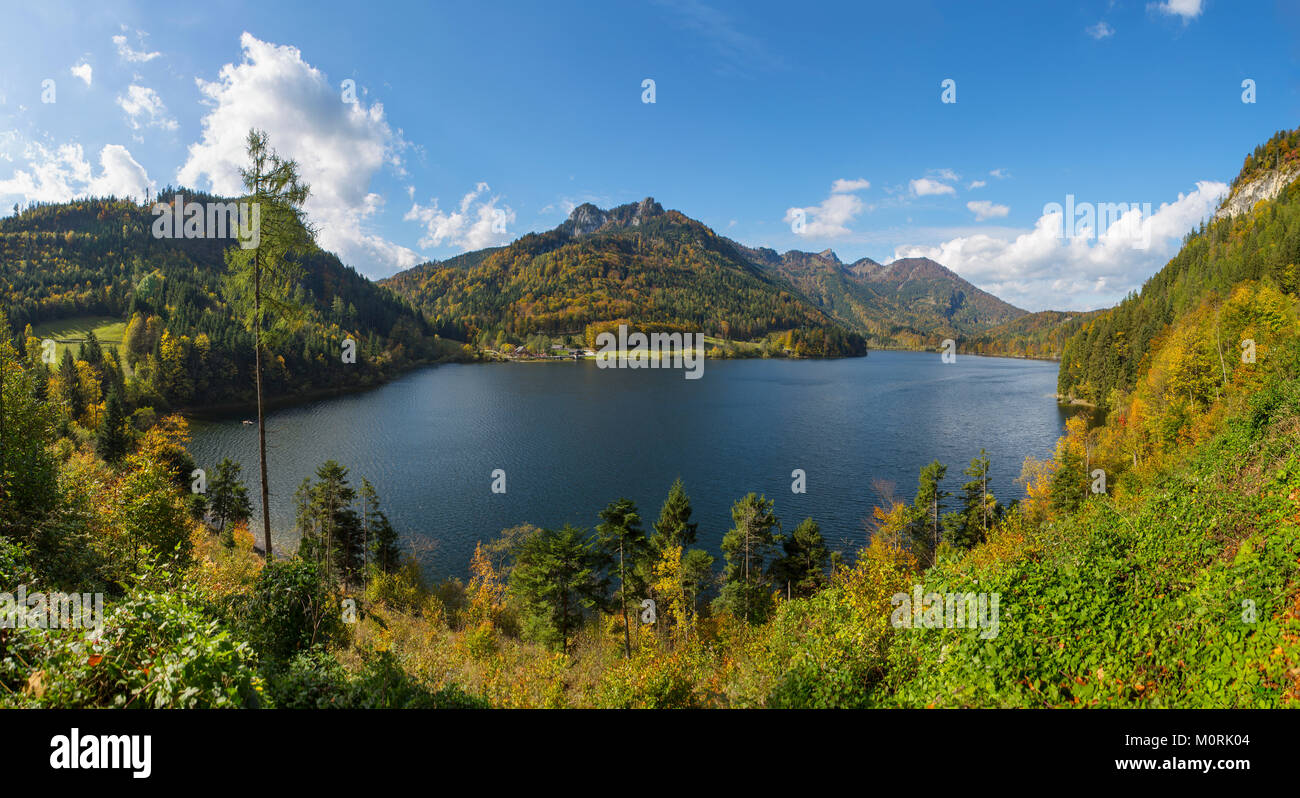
point(587, 218)
point(1265, 187)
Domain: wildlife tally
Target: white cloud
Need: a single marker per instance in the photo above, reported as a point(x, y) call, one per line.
point(132, 55)
point(843, 186)
point(831, 218)
point(925, 187)
point(122, 175)
point(62, 173)
point(1187, 9)
point(140, 102)
point(339, 147)
point(1100, 31)
point(1000, 174)
point(977, 184)
point(983, 209)
point(476, 224)
point(83, 71)
point(1042, 268)
point(946, 175)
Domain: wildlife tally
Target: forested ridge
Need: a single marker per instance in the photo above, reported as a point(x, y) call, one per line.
point(911, 303)
point(1103, 359)
point(184, 345)
point(636, 262)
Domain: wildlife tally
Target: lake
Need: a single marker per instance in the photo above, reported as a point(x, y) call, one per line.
point(571, 437)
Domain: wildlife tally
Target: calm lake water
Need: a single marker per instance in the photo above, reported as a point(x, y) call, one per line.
point(571, 437)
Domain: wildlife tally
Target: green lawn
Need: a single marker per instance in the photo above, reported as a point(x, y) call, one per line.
point(107, 329)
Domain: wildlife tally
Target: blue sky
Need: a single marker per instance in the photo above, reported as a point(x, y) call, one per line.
point(477, 118)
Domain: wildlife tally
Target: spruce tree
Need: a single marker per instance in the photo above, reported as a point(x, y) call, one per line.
point(228, 500)
point(113, 439)
point(379, 536)
point(747, 547)
point(928, 509)
point(622, 540)
point(556, 578)
point(802, 570)
point(674, 527)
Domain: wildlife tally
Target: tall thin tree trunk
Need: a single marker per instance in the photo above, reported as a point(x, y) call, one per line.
point(365, 551)
point(622, 590)
point(984, 501)
point(261, 413)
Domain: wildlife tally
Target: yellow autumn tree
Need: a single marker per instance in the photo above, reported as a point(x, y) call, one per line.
point(486, 592)
point(670, 587)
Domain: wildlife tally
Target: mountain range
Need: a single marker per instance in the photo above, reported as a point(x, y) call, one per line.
point(648, 265)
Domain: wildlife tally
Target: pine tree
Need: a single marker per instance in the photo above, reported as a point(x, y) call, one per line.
point(928, 509)
point(802, 571)
point(379, 536)
point(674, 527)
point(113, 439)
point(332, 532)
point(228, 500)
point(91, 351)
point(70, 385)
point(747, 547)
point(622, 540)
point(970, 524)
point(556, 578)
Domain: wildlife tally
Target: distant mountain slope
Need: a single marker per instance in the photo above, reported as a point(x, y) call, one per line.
point(1256, 239)
point(909, 302)
point(1037, 335)
point(636, 262)
point(99, 258)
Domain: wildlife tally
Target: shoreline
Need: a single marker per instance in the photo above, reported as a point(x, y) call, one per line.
point(230, 410)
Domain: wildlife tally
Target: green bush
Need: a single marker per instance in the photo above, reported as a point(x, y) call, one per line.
point(156, 650)
point(294, 608)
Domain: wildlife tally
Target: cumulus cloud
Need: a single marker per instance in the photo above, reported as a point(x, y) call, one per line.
point(63, 173)
point(129, 53)
point(121, 175)
point(843, 186)
point(477, 223)
point(1100, 31)
point(143, 106)
point(983, 209)
point(1045, 268)
point(831, 218)
point(339, 147)
point(1187, 9)
point(977, 184)
point(83, 71)
point(1000, 174)
point(925, 187)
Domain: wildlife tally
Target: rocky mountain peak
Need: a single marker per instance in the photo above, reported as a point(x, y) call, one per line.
point(586, 218)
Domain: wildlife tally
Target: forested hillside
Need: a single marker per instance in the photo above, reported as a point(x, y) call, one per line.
point(184, 345)
point(1105, 357)
point(910, 303)
point(636, 262)
point(1036, 335)
point(1155, 562)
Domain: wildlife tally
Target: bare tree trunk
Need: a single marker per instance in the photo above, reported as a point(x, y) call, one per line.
point(622, 590)
point(261, 413)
